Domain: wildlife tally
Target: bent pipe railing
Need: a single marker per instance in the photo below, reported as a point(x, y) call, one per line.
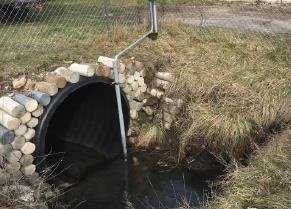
point(152, 34)
point(44, 123)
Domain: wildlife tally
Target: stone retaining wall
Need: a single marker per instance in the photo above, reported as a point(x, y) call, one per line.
point(21, 111)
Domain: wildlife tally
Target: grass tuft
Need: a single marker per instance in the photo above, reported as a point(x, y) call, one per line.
point(151, 136)
point(265, 183)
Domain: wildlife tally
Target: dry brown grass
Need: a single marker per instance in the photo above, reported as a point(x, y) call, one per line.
point(151, 136)
point(236, 85)
point(265, 183)
point(21, 195)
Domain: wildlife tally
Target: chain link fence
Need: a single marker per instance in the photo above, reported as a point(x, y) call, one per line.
point(42, 26)
point(33, 30)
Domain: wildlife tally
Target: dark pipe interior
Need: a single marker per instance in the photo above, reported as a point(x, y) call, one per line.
point(88, 117)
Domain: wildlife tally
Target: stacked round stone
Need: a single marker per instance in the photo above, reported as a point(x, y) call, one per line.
point(18, 118)
point(20, 112)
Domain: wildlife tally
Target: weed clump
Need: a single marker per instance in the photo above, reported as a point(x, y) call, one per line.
point(264, 183)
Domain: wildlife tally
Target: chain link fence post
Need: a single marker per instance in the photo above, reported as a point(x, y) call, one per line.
point(106, 5)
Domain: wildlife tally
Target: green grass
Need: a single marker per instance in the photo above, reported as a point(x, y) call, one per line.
point(65, 29)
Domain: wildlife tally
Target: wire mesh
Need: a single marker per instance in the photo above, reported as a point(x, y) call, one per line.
point(33, 30)
point(39, 25)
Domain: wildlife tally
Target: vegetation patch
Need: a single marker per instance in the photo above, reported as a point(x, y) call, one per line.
point(264, 183)
point(236, 89)
point(235, 85)
point(236, 93)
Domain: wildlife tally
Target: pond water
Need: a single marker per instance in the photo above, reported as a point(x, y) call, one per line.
point(141, 183)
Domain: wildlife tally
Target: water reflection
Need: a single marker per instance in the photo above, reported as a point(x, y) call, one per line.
point(114, 184)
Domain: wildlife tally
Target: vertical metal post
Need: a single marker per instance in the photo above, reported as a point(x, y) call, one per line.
point(106, 4)
point(119, 105)
point(151, 34)
point(154, 17)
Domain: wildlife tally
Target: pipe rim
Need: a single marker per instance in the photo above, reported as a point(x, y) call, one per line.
point(56, 101)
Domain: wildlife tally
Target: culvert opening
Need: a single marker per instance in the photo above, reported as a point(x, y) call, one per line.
point(81, 124)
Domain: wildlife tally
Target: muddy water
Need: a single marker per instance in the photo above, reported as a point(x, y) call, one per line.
point(141, 183)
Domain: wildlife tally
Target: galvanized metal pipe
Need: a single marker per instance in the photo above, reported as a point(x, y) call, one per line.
point(151, 34)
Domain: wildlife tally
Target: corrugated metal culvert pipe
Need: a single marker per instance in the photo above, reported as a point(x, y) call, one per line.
point(84, 113)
